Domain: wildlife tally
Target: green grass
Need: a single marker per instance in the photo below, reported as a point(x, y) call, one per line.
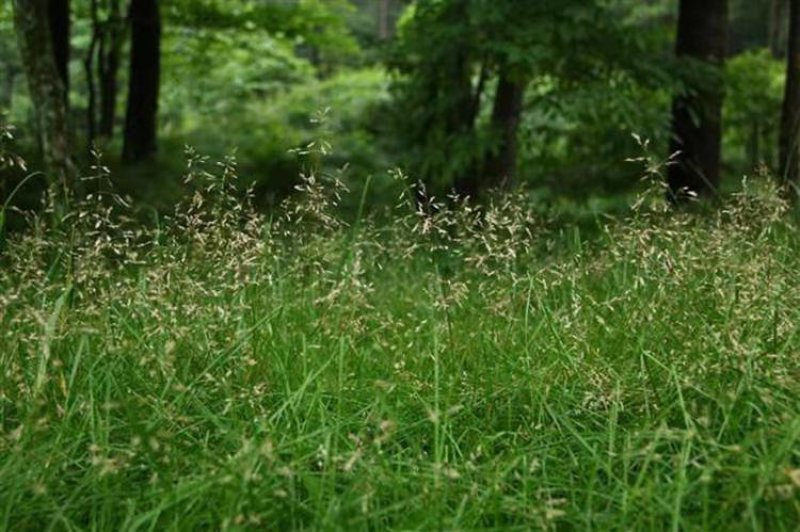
point(458, 370)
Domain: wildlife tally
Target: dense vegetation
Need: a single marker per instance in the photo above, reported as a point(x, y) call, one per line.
point(419, 86)
point(458, 370)
point(431, 264)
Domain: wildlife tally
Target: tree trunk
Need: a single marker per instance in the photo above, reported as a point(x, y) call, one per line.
point(462, 108)
point(59, 19)
point(697, 113)
point(46, 87)
point(88, 65)
point(102, 64)
point(790, 122)
point(108, 69)
point(145, 71)
point(501, 165)
point(777, 27)
point(460, 114)
point(109, 89)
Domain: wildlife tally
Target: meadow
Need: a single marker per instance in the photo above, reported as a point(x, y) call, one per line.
point(455, 367)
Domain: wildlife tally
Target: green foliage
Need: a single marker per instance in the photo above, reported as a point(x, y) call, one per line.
point(254, 68)
point(755, 84)
point(266, 132)
point(577, 138)
point(10, 66)
point(320, 25)
point(364, 23)
point(246, 75)
point(449, 52)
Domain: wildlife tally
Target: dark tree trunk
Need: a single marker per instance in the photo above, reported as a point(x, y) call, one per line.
point(88, 65)
point(697, 113)
point(108, 70)
point(463, 105)
point(102, 64)
point(145, 72)
point(790, 122)
point(501, 165)
point(777, 27)
point(460, 116)
point(59, 18)
point(458, 101)
point(109, 90)
point(46, 87)
point(455, 85)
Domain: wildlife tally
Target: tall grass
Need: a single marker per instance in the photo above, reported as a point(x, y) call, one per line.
point(456, 368)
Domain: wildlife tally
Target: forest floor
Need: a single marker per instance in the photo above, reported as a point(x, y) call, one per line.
point(453, 369)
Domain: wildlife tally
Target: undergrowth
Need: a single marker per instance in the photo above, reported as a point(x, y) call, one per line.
point(459, 367)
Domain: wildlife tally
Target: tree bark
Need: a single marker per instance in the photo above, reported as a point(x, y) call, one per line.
point(110, 54)
point(457, 81)
point(102, 64)
point(60, 26)
point(31, 21)
point(697, 112)
point(462, 108)
point(501, 165)
point(777, 27)
point(141, 120)
point(790, 121)
point(88, 64)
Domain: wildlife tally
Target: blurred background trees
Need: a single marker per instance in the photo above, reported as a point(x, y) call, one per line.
point(464, 95)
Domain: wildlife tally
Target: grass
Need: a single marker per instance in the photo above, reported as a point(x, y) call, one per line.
point(453, 369)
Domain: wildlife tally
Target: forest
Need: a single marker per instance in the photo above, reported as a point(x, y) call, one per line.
point(399, 264)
